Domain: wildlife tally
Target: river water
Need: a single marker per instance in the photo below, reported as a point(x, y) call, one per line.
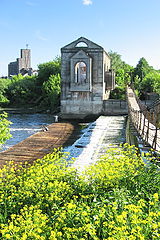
point(91, 142)
point(25, 125)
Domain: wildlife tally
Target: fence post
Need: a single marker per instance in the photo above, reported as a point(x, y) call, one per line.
point(140, 122)
point(155, 140)
point(137, 116)
point(147, 133)
point(144, 120)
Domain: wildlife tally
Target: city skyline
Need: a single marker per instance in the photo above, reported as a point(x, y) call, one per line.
point(128, 28)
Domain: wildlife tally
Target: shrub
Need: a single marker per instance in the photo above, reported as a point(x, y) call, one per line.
point(4, 128)
point(4, 83)
point(51, 91)
point(115, 198)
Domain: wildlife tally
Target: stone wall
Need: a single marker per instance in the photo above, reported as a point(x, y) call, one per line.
point(84, 98)
point(82, 108)
point(115, 107)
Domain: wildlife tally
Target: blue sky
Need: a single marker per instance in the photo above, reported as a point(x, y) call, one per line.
point(130, 28)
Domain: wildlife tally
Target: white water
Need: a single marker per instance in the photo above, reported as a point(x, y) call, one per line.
point(105, 132)
point(25, 125)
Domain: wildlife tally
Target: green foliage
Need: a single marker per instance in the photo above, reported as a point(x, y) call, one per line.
point(4, 83)
point(137, 82)
point(17, 78)
point(151, 82)
point(51, 91)
point(45, 70)
point(49, 83)
point(143, 76)
point(42, 90)
point(4, 128)
point(115, 198)
point(120, 77)
point(123, 73)
point(116, 61)
point(142, 69)
point(118, 93)
point(22, 90)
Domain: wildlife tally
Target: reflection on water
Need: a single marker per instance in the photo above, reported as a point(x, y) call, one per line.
point(25, 125)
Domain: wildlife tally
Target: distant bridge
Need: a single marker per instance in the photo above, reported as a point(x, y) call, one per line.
point(146, 121)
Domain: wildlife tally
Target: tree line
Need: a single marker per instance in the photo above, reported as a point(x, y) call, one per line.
point(144, 78)
point(44, 89)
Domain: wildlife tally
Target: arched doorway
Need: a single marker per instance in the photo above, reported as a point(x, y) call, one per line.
point(80, 72)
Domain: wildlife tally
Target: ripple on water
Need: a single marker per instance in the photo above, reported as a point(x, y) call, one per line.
point(25, 125)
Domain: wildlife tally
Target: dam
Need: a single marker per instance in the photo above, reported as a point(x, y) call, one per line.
point(99, 135)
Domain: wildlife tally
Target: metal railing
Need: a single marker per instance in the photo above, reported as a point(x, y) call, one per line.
point(147, 123)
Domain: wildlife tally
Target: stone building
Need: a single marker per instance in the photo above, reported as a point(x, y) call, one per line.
point(86, 78)
point(21, 65)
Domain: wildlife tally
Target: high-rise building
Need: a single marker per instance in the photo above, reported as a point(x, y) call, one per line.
point(21, 65)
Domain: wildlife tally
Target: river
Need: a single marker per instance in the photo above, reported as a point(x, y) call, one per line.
point(25, 125)
point(91, 141)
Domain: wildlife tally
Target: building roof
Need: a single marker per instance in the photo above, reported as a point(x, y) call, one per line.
point(84, 40)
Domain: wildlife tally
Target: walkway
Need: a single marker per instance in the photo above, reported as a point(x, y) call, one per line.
point(143, 122)
point(39, 144)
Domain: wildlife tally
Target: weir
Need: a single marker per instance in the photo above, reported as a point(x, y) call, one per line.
point(105, 132)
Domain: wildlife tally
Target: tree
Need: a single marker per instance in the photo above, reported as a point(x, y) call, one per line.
point(23, 89)
point(4, 83)
point(122, 70)
point(4, 128)
point(16, 78)
point(156, 85)
point(123, 73)
point(51, 91)
point(151, 82)
point(142, 69)
point(116, 61)
point(45, 70)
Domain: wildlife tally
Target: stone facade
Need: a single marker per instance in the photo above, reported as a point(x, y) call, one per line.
point(86, 78)
point(21, 65)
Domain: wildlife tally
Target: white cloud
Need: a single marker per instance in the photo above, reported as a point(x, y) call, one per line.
point(87, 2)
point(39, 36)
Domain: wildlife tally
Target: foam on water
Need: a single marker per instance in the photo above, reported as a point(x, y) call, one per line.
point(25, 129)
point(25, 125)
point(98, 136)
